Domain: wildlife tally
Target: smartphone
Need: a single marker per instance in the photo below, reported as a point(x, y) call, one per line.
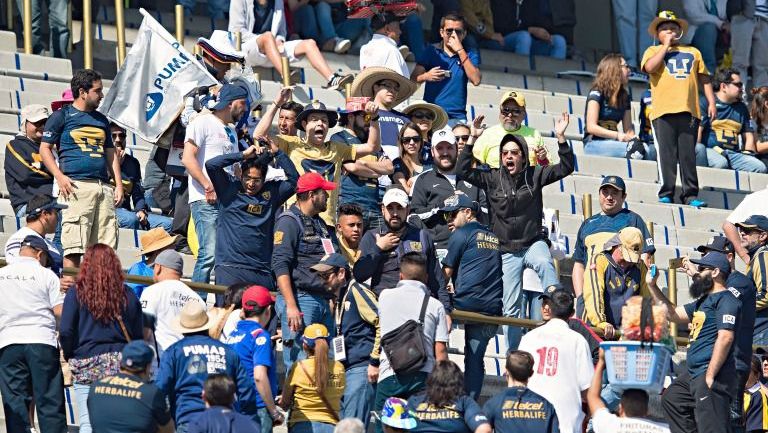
point(446, 73)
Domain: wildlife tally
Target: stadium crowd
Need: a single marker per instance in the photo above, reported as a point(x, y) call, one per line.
point(372, 224)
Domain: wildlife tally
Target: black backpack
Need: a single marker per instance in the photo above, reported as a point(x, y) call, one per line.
point(404, 345)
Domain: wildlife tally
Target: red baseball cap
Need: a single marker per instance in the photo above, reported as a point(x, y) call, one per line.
point(257, 296)
point(312, 181)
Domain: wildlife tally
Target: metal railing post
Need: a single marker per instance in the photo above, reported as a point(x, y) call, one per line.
point(286, 69)
point(27, 17)
point(120, 21)
point(9, 14)
point(179, 10)
point(649, 226)
point(238, 41)
point(672, 288)
point(87, 36)
point(586, 205)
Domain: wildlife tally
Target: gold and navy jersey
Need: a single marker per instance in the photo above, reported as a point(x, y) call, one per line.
point(596, 230)
point(756, 409)
point(724, 131)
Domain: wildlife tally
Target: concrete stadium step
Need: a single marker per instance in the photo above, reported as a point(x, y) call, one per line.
point(7, 41)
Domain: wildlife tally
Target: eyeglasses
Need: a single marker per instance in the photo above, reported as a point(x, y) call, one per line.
point(450, 216)
point(458, 32)
point(513, 111)
point(118, 135)
point(391, 85)
point(740, 84)
point(414, 139)
point(702, 268)
point(462, 138)
point(421, 115)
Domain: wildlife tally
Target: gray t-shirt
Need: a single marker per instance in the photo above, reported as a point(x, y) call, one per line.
point(403, 303)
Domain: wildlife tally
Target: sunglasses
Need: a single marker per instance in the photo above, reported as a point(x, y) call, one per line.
point(457, 31)
point(414, 139)
point(39, 123)
point(512, 111)
point(511, 152)
point(702, 268)
point(118, 135)
point(421, 115)
point(450, 216)
point(740, 85)
point(462, 138)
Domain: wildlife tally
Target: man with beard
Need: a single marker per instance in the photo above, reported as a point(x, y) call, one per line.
point(432, 187)
point(514, 193)
point(754, 237)
point(208, 136)
point(699, 399)
point(302, 239)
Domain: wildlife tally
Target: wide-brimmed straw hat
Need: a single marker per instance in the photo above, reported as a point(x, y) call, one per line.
point(155, 240)
point(193, 318)
point(364, 81)
point(441, 117)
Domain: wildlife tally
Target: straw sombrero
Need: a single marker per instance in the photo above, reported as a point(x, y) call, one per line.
point(364, 81)
point(441, 117)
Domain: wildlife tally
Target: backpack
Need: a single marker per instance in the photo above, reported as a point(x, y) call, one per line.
point(404, 345)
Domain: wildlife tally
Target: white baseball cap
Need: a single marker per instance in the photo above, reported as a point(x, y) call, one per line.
point(395, 195)
point(444, 135)
point(34, 113)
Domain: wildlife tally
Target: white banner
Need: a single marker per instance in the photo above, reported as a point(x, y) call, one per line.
point(148, 92)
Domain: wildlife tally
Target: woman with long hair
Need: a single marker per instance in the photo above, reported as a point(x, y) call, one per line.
point(608, 105)
point(758, 111)
point(429, 118)
point(409, 164)
point(100, 316)
point(446, 407)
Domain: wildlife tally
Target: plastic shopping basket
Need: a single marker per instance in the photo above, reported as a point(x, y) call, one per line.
point(629, 364)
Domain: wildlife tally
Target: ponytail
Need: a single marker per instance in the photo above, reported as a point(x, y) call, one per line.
point(321, 364)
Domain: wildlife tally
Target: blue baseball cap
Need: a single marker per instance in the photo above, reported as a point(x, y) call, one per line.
point(458, 201)
point(759, 222)
point(229, 93)
point(614, 181)
point(715, 259)
point(40, 203)
point(137, 355)
point(719, 244)
point(330, 261)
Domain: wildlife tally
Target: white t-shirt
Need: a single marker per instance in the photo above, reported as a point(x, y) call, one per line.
point(13, 245)
point(605, 422)
point(230, 325)
point(212, 139)
point(562, 369)
point(26, 313)
point(382, 51)
point(164, 301)
point(753, 204)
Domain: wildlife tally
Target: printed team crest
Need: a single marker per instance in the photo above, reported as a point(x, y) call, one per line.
point(679, 64)
point(154, 100)
point(451, 201)
point(611, 179)
point(415, 246)
point(266, 195)
point(278, 238)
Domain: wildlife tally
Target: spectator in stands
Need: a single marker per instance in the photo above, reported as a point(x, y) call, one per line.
point(718, 142)
point(42, 219)
point(312, 20)
point(25, 174)
point(316, 378)
point(286, 118)
point(632, 413)
point(473, 262)
point(313, 153)
point(190, 361)
point(58, 30)
point(138, 216)
point(396, 416)
point(208, 136)
point(755, 399)
point(752, 204)
point(393, 312)
point(461, 132)
point(445, 406)
point(447, 67)
point(29, 358)
point(758, 112)
point(153, 242)
point(128, 401)
point(253, 344)
point(598, 229)
point(429, 118)
point(617, 274)
point(247, 208)
point(534, 413)
point(608, 104)
point(219, 394)
point(676, 73)
point(409, 164)
point(531, 27)
point(382, 49)
point(382, 250)
point(632, 18)
point(754, 238)
point(563, 365)
point(162, 302)
point(301, 239)
point(707, 19)
point(100, 316)
point(349, 425)
point(514, 193)
point(532, 288)
point(749, 33)
point(87, 160)
point(349, 230)
point(228, 316)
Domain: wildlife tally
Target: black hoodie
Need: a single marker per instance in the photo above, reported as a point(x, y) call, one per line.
point(514, 202)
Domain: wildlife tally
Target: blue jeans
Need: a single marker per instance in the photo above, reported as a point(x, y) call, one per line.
point(531, 305)
point(314, 309)
point(704, 40)
point(264, 419)
point(127, 219)
point(314, 22)
point(311, 427)
point(536, 257)
point(151, 202)
point(57, 22)
point(523, 43)
point(632, 19)
point(216, 10)
point(615, 149)
point(357, 401)
point(453, 121)
point(413, 34)
point(476, 337)
point(357, 29)
point(706, 157)
point(81, 397)
point(205, 216)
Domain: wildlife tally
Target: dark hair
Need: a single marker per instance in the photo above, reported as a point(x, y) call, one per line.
point(256, 311)
point(413, 266)
point(453, 16)
point(608, 81)
point(350, 209)
point(100, 282)
point(302, 196)
point(635, 403)
point(234, 294)
point(758, 110)
point(219, 390)
point(723, 76)
point(259, 163)
point(460, 125)
point(756, 366)
point(292, 106)
point(519, 365)
point(561, 303)
point(445, 384)
point(83, 79)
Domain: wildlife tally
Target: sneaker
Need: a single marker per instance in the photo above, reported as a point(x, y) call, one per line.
point(665, 200)
point(635, 149)
point(338, 82)
point(341, 46)
point(698, 203)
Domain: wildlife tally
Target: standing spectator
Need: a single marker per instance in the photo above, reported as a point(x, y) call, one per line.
point(676, 73)
point(514, 194)
point(445, 406)
point(42, 216)
point(128, 401)
point(29, 358)
point(208, 136)
point(754, 238)
point(349, 230)
point(247, 209)
point(190, 361)
point(473, 261)
point(718, 142)
point(752, 204)
point(749, 36)
point(393, 313)
point(100, 316)
point(534, 413)
point(562, 361)
point(707, 19)
point(314, 386)
point(447, 67)
point(429, 118)
point(219, 394)
point(58, 30)
point(608, 104)
point(758, 111)
point(699, 399)
point(25, 174)
point(162, 302)
point(312, 20)
point(409, 165)
point(86, 161)
point(632, 18)
point(153, 242)
point(286, 118)
point(382, 49)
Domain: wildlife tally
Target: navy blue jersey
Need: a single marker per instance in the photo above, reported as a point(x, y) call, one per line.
point(218, 419)
point(142, 407)
point(82, 138)
point(521, 410)
point(745, 292)
point(609, 116)
point(596, 230)
point(709, 314)
point(463, 416)
point(724, 131)
point(253, 345)
point(474, 256)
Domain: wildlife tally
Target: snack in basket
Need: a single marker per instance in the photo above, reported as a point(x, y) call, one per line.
point(630, 321)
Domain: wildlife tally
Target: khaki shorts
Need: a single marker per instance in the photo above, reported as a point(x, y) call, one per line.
point(90, 217)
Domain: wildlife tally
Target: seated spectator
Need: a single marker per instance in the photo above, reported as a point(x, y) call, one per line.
point(718, 142)
point(153, 242)
point(608, 104)
point(758, 111)
point(42, 219)
point(396, 417)
point(429, 118)
point(755, 399)
point(409, 164)
point(137, 216)
point(445, 406)
point(461, 132)
point(707, 19)
point(128, 401)
point(312, 20)
point(219, 416)
point(382, 49)
point(529, 27)
point(357, 30)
